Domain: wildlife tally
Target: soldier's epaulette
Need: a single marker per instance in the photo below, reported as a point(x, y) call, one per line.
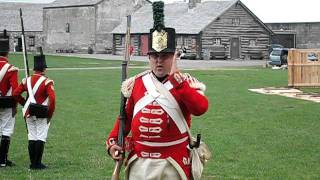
point(194, 83)
point(13, 69)
point(127, 85)
point(48, 81)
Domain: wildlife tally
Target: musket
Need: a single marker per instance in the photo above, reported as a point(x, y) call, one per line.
point(25, 55)
point(24, 47)
point(122, 117)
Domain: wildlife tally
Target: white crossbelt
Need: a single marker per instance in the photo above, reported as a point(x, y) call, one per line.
point(3, 71)
point(163, 144)
point(31, 93)
point(154, 95)
point(2, 74)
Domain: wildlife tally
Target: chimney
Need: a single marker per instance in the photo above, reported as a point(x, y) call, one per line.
point(193, 3)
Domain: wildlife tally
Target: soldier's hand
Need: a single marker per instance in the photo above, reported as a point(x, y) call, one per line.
point(116, 152)
point(174, 67)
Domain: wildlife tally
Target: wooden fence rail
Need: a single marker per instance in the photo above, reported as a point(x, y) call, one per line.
point(304, 68)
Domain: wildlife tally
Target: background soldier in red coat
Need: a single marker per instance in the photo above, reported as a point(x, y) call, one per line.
point(8, 109)
point(159, 143)
point(38, 109)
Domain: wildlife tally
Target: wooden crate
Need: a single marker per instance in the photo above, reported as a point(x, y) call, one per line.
point(302, 71)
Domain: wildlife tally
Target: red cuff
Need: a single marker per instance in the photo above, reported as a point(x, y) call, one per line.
point(174, 81)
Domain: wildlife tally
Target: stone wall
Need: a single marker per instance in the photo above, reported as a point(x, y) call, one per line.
point(69, 29)
point(34, 39)
point(89, 26)
point(109, 15)
point(307, 34)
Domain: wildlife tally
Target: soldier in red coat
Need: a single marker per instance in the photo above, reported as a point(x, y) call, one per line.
point(38, 109)
point(8, 106)
point(159, 100)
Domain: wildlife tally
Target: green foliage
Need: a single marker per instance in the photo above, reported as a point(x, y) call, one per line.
point(158, 15)
point(253, 136)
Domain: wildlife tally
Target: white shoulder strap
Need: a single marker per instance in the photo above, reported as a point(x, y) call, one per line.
point(164, 102)
point(4, 70)
point(170, 97)
point(32, 92)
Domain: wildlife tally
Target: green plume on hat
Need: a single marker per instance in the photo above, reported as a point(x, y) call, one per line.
point(158, 15)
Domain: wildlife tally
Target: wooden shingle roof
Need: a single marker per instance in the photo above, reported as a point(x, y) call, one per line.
point(178, 16)
point(10, 16)
point(72, 3)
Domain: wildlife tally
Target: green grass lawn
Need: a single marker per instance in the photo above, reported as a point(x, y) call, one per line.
point(253, 136)
point(70, 62)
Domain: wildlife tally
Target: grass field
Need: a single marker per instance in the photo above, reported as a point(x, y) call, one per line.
point(253, 136)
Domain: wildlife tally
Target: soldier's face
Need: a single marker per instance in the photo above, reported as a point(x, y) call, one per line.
point(160, 63)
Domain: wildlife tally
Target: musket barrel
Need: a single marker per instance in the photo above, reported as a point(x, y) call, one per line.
point(24, 47)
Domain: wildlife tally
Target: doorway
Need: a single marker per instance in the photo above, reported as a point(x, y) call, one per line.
point(235, 47)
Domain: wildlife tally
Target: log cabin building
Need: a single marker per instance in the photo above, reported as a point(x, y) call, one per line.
point(208, 30)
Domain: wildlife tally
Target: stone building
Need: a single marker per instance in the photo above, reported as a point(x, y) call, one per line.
point(208, 30)
point(301, 35)
point(10, 20)
point(84, 25)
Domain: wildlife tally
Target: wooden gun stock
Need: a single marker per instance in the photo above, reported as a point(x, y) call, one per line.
point(116, 171)
point(122, 117)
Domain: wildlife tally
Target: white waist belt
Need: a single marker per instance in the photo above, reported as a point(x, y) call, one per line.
point(163, 144)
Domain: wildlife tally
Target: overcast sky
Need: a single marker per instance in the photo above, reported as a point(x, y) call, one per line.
point(266, 10)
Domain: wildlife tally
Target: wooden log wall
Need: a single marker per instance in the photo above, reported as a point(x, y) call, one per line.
point(119, 44)
point(248, 29)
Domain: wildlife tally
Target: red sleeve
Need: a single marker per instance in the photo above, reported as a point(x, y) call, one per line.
point(113, 136)
point(17, 94)
point(196, 103)
point(14, 80)
point(52, 99)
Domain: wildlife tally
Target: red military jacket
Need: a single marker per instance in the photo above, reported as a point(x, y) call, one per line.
point(152, 124)
point(44, 91)
point(9, 81)
point(10, 78)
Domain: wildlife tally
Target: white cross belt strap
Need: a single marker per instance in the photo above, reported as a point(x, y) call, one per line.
point(32, 92)
point(154, 95)
point(3, 71)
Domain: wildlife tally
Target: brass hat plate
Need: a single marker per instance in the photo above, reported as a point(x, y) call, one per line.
point(159, 40)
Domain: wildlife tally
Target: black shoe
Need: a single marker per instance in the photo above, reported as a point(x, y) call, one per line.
point(41, 166)
point(31, 166)
point(10, 163)
point(38, 167)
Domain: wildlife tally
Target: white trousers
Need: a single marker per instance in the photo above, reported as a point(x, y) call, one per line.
point(37, 128)
point(152, 169)
point(6, 122)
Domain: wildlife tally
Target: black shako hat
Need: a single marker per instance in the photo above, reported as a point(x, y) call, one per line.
point(161, 39)
point(39, 61)
point(4, 42)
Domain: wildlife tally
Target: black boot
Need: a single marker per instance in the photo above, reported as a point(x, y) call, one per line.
point(39, 153)
point(4, 149)
point(32, 153)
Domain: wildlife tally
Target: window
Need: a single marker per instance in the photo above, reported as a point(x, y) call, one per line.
point(252, 42)
point(217, 41)
point(67, 28)
point(235, 21)
point(31, 41)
